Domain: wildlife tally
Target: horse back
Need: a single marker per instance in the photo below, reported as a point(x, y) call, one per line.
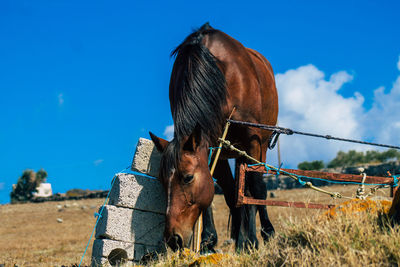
point(250, 84)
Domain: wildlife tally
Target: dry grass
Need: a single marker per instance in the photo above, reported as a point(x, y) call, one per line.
point(351, 238)
point(31, 235)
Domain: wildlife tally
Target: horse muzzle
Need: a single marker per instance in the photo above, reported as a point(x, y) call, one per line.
point(177, 241)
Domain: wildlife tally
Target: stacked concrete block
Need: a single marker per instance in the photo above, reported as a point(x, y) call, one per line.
point(146, 158)
point(132, 224)
point(138, 191)
point(140, 226)
point(105, 249)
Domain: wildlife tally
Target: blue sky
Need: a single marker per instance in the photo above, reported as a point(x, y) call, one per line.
point(81, 81)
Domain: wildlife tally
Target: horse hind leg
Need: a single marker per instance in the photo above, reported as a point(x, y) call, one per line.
point(258, 190)
point(267, 229)
point(240, 216)
point(244, 221)
point(244, 228)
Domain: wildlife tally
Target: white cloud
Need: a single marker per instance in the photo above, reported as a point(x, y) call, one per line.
point(398, 64)
point(97, 162)
point(169, 132)
point(382, 121)
point(60, 99)
point(310, 102)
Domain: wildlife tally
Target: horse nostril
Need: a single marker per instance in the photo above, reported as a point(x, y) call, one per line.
point(175, 242)
point(179, 241)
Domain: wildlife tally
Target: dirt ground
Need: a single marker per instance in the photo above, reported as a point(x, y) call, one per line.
point(56, 233)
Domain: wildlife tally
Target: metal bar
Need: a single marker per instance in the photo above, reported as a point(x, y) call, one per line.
point(340, 177)
point(290, 204)
point(242, 199)
point(240, 181)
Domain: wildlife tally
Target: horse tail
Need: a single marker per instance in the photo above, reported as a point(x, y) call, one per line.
point(197, 88)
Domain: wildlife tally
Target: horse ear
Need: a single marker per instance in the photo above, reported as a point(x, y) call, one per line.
point(160, 143)
point(193, 142)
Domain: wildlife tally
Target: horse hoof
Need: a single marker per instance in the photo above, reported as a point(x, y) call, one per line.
point(207, 251)
point(267, 234)
point(247, 245)
point(207, 248)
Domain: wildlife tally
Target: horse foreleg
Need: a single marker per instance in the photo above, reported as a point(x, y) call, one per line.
point(225, 180)
point(209, 236)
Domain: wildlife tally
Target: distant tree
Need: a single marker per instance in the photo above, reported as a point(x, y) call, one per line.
point(26, 185)
point(353, 157)
point(309, 166)
point(389, 154)
point(41, 176)
point(371, 156)
point(338, 161)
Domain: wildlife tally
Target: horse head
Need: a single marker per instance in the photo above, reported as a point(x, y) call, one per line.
point(188, 185)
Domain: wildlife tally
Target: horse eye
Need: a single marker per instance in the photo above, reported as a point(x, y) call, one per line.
point(188, 178)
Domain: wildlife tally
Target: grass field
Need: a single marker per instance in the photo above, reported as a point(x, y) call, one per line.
point(32, 234)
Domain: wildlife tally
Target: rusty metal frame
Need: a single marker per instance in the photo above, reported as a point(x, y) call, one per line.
point(241, 199)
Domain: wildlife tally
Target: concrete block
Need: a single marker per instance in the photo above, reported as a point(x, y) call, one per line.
point(138, 192)
point(147, 158)
point(101, 261)
point(104, 262)
point(106, 252)
point(111, 250)
point(130, 225)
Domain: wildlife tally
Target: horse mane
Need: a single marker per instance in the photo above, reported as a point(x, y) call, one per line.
point(197, 88)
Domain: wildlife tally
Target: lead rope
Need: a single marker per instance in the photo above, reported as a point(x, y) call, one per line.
point(229, 146)
point(200, 220)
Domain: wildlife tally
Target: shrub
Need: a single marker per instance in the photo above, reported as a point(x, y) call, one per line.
point(26, 185)
point(313, 165)
point(353, 157)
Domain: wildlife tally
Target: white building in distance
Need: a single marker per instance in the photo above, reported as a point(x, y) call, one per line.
point(43, 190)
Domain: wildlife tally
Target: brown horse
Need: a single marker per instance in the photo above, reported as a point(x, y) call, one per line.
point(212, 74)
